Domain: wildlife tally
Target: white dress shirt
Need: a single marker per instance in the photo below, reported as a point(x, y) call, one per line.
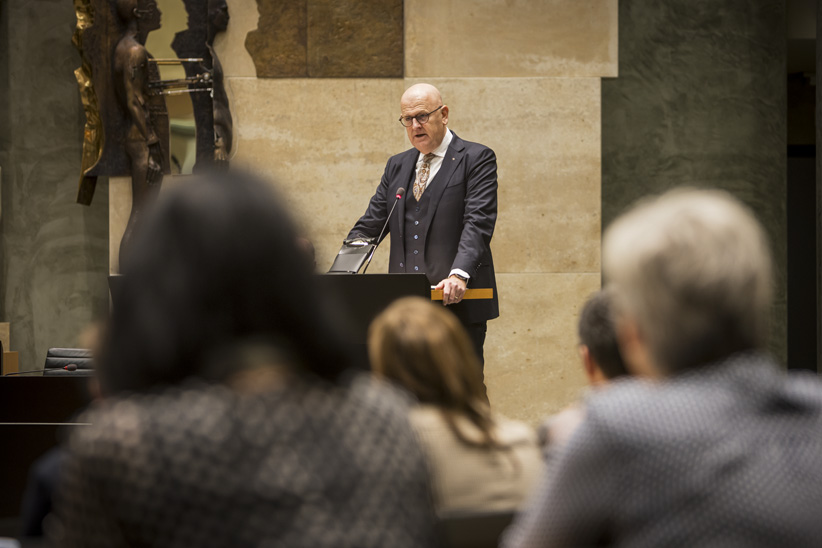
point(436, 163)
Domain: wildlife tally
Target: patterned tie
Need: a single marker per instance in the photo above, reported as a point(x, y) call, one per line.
point(422, 176)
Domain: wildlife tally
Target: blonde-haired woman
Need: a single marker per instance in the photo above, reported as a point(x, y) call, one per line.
point(478, 461)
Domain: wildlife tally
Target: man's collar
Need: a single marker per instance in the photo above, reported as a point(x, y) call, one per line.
point(443, 148)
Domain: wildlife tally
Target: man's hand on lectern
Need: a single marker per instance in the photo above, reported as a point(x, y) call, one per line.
point(453, 289)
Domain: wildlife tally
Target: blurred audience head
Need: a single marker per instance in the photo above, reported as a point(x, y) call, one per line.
point(599, 347)
point(307, 248)
point(424, 348)
point(215, 270)
point(691, 273)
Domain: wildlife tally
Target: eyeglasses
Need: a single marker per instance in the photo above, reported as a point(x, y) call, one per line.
point(408, 121)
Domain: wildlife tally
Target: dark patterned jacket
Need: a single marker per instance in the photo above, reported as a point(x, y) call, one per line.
point(305, 465)
point(726, 455)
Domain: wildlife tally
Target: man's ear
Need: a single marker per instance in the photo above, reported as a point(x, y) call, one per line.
point(634, 349)
point(444, 111)
point(592, 372)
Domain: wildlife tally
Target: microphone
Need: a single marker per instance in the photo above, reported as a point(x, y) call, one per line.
point(400, 192)
point(69, 367)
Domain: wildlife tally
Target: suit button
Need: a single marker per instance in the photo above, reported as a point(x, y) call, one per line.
point(416, 251)
point(401, 265)
point(416, 222)
point(416, 237)
point(416, 209)
point(416, 268)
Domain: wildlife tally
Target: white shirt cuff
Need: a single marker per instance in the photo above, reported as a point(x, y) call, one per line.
point(460, 272)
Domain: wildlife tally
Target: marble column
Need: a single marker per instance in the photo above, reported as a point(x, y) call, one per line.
point(701, 101)
point(54, 251)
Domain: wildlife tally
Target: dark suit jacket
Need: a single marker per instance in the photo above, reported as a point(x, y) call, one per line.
point(460, 221)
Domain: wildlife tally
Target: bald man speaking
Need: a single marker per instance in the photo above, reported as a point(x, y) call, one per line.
point(443, 225)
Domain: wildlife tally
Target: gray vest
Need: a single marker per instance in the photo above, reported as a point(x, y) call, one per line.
point(415, 213)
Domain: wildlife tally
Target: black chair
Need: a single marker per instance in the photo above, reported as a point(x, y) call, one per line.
point(474, 529)
point(59, 359)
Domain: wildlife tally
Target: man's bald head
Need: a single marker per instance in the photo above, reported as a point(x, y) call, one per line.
point(422, 91)
point(424, 99)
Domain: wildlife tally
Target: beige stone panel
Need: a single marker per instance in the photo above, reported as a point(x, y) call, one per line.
point(546, 134)
point(230, 45)
point(326, 143)
point(119, 210)
point(532, 368)
point(511, 38)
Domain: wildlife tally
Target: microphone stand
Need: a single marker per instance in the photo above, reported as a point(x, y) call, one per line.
point(400, 192)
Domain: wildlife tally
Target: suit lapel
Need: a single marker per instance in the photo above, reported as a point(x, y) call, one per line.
point(453, 157)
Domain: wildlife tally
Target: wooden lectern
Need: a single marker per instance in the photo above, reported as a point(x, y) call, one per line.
point(356, 299)
point(35, 413)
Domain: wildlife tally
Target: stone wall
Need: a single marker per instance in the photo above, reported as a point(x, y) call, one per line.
point(521, 77)
point(699, 100)
point(530, 89)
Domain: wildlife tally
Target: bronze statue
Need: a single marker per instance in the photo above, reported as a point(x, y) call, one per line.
point(127, 130)
point(131, 83)
point(223, 123)
point(100, 29)
point(212, 117)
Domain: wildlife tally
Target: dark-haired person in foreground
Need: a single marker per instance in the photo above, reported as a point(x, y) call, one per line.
point(716, 446)
point(226, 421)
point(601, 361)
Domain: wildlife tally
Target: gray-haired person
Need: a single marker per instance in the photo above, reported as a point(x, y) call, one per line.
point(713, 445)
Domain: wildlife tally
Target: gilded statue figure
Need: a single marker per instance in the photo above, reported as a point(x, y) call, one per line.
point(93, 129)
